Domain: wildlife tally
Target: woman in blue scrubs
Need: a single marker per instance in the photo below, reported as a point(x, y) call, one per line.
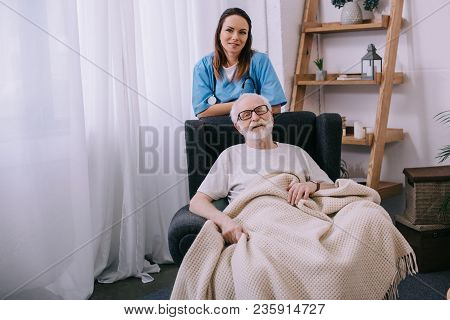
point(232, 69)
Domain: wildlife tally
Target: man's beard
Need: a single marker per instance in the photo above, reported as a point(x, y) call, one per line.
point(261, 133)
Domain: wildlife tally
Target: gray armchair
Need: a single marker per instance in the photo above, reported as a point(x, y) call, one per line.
point(320, 136)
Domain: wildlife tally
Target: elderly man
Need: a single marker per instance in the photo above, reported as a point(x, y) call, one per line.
point(259, 155)
point(339, 244)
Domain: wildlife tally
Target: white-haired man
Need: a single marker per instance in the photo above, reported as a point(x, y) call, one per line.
point(259, 155)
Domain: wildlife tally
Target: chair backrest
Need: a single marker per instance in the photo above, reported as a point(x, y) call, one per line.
point(320, 136)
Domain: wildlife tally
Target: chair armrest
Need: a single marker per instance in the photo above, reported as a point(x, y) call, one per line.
point(184, 228)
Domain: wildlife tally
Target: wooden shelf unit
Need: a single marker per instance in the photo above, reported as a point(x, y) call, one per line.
point(389, 189)
point(309, 80)
point(392, 135)
point(331, 27)
point(381, 135)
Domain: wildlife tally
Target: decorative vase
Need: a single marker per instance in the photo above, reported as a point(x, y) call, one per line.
point(321, 75)
point(351, 13)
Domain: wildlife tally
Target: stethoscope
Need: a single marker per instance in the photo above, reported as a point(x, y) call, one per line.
point(213, 100)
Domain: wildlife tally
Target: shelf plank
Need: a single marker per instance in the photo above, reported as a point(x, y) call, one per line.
point(389, 189)
point(331, 27)
point(392, 135)
point(309, 80)
point(351, 140)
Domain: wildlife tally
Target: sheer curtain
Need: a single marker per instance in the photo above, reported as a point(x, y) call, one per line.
point(94, 95)
point(45, 230)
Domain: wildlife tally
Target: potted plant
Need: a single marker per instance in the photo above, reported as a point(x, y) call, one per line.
point(351, 12)
point(320, 74)
point(444, 117)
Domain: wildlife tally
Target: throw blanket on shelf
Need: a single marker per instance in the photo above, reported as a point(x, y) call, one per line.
point(338, 245)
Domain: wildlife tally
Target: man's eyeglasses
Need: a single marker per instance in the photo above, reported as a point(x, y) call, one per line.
point(247, 114)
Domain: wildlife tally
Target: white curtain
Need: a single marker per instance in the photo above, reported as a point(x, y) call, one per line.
point(93, 99)
point(45, 229)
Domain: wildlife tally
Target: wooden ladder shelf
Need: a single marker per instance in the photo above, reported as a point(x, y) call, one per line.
point(381, 135)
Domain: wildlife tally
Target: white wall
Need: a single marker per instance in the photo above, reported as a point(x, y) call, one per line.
point(292, 13)
point(422, 56)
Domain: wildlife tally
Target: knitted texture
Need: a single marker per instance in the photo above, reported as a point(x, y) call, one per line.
point(340, 244)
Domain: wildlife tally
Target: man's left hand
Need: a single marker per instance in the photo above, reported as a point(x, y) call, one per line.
point(300, 190)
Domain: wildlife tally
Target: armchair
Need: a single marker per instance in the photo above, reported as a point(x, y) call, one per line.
point(320, 136)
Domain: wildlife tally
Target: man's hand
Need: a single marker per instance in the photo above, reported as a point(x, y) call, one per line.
point(201, 204)
point(231, 230)
point(300, 190)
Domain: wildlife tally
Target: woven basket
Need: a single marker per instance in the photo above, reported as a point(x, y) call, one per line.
point(426, 191)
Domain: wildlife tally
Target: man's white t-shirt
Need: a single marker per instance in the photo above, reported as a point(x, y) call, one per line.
point(239, 164)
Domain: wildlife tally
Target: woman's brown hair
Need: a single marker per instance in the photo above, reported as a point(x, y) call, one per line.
point(245, 56)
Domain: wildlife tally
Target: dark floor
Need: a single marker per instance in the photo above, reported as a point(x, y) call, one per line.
point(426, 286)
point(422, 286)
point(133, 288)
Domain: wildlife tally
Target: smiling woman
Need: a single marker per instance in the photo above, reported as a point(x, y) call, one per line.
point(233, 69)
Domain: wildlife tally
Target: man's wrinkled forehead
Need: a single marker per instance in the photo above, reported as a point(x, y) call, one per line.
point(249, 103)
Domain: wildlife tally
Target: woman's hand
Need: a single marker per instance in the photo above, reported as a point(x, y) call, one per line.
point(231, 230)
point(300, 190)
point(219, 109)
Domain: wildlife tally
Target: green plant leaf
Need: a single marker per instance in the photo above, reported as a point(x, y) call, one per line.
point(319, 63)
point(444, 154)
point(344, 170)
point(443, 117)
point(369, 5)
point(445, 205)
point(338, 3)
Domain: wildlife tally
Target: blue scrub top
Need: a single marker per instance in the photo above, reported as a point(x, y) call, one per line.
point(261, 71)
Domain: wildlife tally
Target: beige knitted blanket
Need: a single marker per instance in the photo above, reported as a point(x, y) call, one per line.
point(338, 245)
